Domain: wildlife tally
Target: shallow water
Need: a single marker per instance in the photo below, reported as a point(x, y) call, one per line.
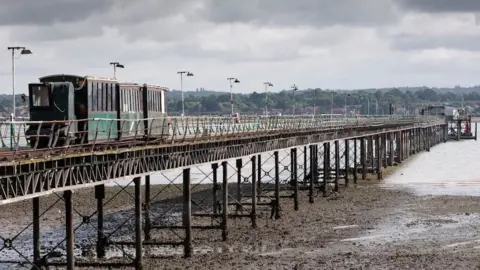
point(448, 169)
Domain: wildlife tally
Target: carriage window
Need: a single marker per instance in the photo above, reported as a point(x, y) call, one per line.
point(149, 100)
point(165, 103)
point(94, 96)
point(40, 96)
point(114, 100)
point(101, 100)
point(106, 95)
point(132, 100)
point(152, 101)
point(89, 93)
point(110, 96)
point(133, 105)
point(161, 101)
point(140, 99)
point(122, 99)
point(129, 100)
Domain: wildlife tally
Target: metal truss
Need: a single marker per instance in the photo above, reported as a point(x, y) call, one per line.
point(39, 176)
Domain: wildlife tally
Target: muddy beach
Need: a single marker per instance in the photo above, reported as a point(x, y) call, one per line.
point(364, 227)
point(368, 227)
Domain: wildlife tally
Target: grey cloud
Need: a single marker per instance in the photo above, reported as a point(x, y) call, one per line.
point(301, 12)
point(98, 12)
point(440, 5)
point(122, 12)
point(459, 42)
point(45, 12)
point(191, 50)
point(56, 32)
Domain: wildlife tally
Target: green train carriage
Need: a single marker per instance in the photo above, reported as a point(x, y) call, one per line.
point(101, 100)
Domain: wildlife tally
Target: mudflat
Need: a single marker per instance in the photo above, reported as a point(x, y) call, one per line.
point(362, 227)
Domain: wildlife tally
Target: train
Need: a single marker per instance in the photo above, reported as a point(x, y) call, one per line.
point(60, 105)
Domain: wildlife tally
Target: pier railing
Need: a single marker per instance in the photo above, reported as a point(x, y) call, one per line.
point(20, 136)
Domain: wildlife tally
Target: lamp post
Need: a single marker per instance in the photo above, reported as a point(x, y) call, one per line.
point(115, 66)
point(189, 74)
point(345, 108)
point(294, 89)
point(267, 84)
point(235, 80)
point(23, 51)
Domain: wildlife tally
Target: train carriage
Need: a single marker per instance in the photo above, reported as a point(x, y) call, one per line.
point(100, 100)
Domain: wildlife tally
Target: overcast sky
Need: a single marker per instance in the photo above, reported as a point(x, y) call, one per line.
point(346, 44)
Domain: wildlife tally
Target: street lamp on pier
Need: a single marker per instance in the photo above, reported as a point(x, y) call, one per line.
point(188, 74)
point(115, 66)
point(23, 51)
point(345, 108)
point(267, 84)
point(294, 89)
point(235, 80)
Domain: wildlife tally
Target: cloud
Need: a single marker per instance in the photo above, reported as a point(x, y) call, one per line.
point(33, 12)
point(308, 12)
point(313, 43)
point(441, 6)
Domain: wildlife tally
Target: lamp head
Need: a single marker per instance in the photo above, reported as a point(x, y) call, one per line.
point(26, 51)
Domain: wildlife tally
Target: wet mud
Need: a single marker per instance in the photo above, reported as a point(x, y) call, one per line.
point(365, 227)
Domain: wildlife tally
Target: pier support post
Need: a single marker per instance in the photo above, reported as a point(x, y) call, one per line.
point(225, 199)
point(239, 165)
point(399, 146)
point(187, 213)
point(253, 212)
point(384, 150)
point(371, 154)
point(413, 149)
point(379, 156)
point(355, 161)
point(67, 196)
point(100, 195)
point(138, 223)
point(259, 177)
point(148, 223)
point(427, 137)
point(215, 188)
point(305, 165)
point(475, 131)
point(337, 164)
point(391, 149)
point(312, 173)
point(415, 140)
point(459, 130)
point(406, 152)
point(277, 185)
point(36, 231)
point(445, 133)
point(293, 176)
point(326, 167)
point(347, 161)
point(363, 157)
